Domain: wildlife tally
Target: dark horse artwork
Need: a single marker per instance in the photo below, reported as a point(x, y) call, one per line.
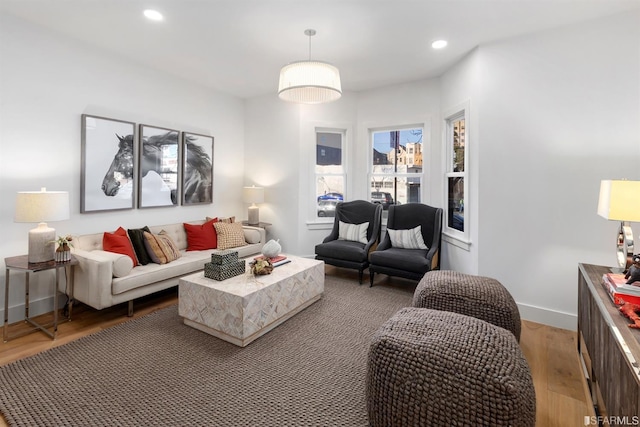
point(197, 173)
point(121, 169)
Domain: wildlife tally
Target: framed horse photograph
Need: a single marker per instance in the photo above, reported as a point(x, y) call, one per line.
point(159, 167)
point(197, 169)
point(108, 164)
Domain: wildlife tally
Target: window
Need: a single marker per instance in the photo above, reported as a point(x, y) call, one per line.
point(456, 175)
point(330, 174)
point(396, 166)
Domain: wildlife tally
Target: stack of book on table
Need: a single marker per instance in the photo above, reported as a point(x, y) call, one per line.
point(276, 261)
point(617, 288)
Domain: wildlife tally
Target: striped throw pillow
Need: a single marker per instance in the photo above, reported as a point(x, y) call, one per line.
point(407, 239)
point(353, 232)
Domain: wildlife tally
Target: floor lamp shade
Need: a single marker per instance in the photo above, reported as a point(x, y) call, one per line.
point(620, 201)
point(253, 195)
point(39, 207)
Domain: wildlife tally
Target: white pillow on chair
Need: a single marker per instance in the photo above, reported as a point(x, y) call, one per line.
point(353, 232)
point(407, 239)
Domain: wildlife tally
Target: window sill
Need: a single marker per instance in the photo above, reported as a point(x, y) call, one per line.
point(319, 225)
point(457, 241)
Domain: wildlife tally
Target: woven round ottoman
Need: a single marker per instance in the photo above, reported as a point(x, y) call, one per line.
point(437, 368)
point(481, 297)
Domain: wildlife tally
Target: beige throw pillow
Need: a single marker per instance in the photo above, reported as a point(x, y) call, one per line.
point(230, 235)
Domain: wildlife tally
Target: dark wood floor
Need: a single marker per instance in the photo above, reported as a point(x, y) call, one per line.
point(551, 352)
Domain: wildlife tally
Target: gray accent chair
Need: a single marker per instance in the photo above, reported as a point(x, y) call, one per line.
point(409, 263)
point(346, 253)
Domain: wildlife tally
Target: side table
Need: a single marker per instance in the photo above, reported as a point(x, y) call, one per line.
point(21, 263)
point(259, 225)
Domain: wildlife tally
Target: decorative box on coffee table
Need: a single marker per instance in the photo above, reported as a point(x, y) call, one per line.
point(224, 265)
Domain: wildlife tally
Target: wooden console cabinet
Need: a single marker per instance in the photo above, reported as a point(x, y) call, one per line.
point(608, 348)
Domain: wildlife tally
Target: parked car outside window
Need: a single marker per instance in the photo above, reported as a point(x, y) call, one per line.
point(327, 208)
point(331, 196)
point(383, 198)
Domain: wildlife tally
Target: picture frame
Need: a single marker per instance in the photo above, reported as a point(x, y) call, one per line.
point(108, 164)
point(197, 169)
point(159, 167)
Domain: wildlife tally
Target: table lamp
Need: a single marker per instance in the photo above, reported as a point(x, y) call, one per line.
point(620, 201)
point(253, 195)
point(38, 207)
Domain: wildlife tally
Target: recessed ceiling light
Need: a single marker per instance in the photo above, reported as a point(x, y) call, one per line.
point(439, 44)
point(153, 15)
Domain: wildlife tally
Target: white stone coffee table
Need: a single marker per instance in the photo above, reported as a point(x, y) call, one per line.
point(245, 307)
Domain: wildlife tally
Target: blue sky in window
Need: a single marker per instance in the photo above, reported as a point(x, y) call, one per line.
point(382, 140)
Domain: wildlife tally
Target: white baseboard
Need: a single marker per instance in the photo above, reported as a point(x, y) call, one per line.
point(549, 317)
point(36, 308)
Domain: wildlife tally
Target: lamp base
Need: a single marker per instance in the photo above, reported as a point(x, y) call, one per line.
point(254, 215)
point(41, 243)
point(624, 246)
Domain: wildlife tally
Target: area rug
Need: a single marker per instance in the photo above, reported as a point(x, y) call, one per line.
point(155, 371)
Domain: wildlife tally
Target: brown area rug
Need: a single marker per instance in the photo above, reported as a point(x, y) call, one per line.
point(155, 371)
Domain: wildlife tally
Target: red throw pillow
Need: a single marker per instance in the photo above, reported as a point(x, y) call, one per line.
point(201, 237)
point(119, 243)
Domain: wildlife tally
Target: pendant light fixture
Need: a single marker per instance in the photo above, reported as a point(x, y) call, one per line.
point(309, 82)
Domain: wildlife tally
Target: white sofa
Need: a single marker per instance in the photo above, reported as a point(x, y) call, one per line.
point(95, 280)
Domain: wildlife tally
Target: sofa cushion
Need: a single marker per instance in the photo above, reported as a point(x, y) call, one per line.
point(154, 249)
point(227, 220)
point(160, 248)
point(251, 235)
point(136, 235)
point(407, 239)
point(353, 232)
point(201, 237)
point(171, 250)
point(230, 235)
point(118, 242)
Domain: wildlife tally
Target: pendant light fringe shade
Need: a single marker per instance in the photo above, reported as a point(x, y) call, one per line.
point(309, 82)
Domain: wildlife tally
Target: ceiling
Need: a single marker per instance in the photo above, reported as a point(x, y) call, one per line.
point(239, 46)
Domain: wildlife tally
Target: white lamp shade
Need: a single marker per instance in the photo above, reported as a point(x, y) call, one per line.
point(42, 206)
point(619, 200)
point(309, 82)
point(253, 194)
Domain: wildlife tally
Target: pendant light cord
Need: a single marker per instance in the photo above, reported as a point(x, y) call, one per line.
point(310, 32)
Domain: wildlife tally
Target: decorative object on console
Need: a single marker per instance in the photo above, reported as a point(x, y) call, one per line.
point(224, 265)
point(271, 249)
point(38, 207)
point(253, 195)
point(197, 167)
point(309, 82)
point(107, 185)
point(631, 311)
point(159, 164)
point(633, 274)
point(620, 201)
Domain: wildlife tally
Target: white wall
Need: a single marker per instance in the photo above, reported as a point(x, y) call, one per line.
point(459, 87)
point(288, 131)
point(556, 112)
point(46, 82)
